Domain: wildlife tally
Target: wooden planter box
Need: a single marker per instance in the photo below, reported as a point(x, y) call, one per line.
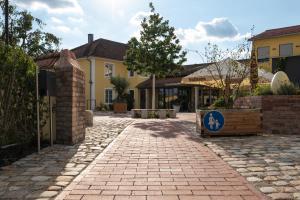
point(120, 107)
point(236, 122)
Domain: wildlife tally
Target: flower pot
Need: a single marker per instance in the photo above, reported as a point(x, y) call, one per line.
point(176, 108)
point(120, 107)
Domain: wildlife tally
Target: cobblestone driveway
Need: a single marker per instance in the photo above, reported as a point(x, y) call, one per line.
point(44, 175)
point(270, 162)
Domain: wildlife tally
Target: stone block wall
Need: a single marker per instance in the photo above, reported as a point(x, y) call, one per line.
point(70, 100)
point(281, 114)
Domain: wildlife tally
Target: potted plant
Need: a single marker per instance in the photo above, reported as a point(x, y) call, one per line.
point(176, 105)
point(120, 85)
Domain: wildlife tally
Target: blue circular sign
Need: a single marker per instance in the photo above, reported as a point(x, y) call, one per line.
point(213, 121)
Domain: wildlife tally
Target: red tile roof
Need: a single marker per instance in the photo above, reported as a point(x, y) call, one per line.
point(291, 30)
point(102, 48)
point(161, 82)
point(47, 61)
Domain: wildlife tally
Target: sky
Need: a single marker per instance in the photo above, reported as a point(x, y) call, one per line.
point(223, 22)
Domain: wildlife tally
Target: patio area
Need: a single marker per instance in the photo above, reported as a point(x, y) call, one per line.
point(157, 159)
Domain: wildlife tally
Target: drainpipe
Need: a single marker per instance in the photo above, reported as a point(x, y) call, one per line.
point(90, 82)
point(92, 71)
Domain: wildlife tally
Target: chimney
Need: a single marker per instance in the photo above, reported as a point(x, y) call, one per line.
point(90, 38)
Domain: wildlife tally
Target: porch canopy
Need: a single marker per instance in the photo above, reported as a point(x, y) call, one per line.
point(211, 75)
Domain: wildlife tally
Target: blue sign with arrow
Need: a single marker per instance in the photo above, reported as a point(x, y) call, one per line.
point(213, 121)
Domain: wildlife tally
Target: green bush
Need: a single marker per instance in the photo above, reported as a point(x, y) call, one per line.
point(220, 103)
point(18, 97)
point(263, 90)
point(288, 89)
point(103, 107)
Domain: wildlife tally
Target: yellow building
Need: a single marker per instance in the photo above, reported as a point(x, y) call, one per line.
point(101, 59)
point(273, 44)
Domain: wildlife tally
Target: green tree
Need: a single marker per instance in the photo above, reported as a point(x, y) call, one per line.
point(17, 96)
point(121, 84)
point(157, 52)
point(27, 32)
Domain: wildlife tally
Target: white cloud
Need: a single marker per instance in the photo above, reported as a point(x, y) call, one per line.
point(56, 20)
point(136, 20)
point(52, 6)
point(63, 29)
point(217, 30)
point(75, 20)
point(138, 17)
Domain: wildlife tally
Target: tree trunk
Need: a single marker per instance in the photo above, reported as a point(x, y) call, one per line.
point(227, 93)
point(153, 91)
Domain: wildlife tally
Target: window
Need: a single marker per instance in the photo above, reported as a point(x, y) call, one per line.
point(285, 50)
point(108, 96)
point(263, 54)
point(130, 73)
point(108, 69)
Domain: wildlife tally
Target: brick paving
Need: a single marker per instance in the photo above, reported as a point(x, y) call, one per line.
point(44, 175)
point(159, 159)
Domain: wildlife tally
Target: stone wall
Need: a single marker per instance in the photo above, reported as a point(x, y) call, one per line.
point(281, 114)
point(70, 100)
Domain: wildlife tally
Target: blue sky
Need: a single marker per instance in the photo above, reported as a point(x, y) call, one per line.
point(197, 22)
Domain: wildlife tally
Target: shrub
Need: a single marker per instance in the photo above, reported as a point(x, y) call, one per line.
point(262, 90)
point(103, 107)
point(287, 89)
point(18, 97)
point(220, 103)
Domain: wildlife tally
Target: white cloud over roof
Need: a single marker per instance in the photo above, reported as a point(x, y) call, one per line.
point(218, 29)
point(52, 6)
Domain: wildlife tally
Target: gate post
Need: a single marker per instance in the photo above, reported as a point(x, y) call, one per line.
point(70, 99)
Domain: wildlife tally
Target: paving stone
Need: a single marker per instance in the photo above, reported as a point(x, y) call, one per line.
point(40, 178)
point(295, 182)
point(281, 196)
point(267, 190)
point(296, 195)
point(270, 178)
point(253, 179)
point(280, 183)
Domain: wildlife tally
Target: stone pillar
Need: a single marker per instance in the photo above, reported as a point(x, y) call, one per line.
point(70, 100)
point(196, 98)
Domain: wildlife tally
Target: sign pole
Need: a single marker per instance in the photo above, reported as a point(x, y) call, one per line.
point(51, 134)
point(38, 110)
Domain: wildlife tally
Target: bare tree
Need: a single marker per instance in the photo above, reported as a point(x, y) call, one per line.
point(229, 68)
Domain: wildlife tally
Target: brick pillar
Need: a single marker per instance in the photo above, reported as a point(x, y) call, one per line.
point(70, 99)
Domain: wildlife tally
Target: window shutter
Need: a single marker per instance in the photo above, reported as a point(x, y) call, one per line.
point(285, 50)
